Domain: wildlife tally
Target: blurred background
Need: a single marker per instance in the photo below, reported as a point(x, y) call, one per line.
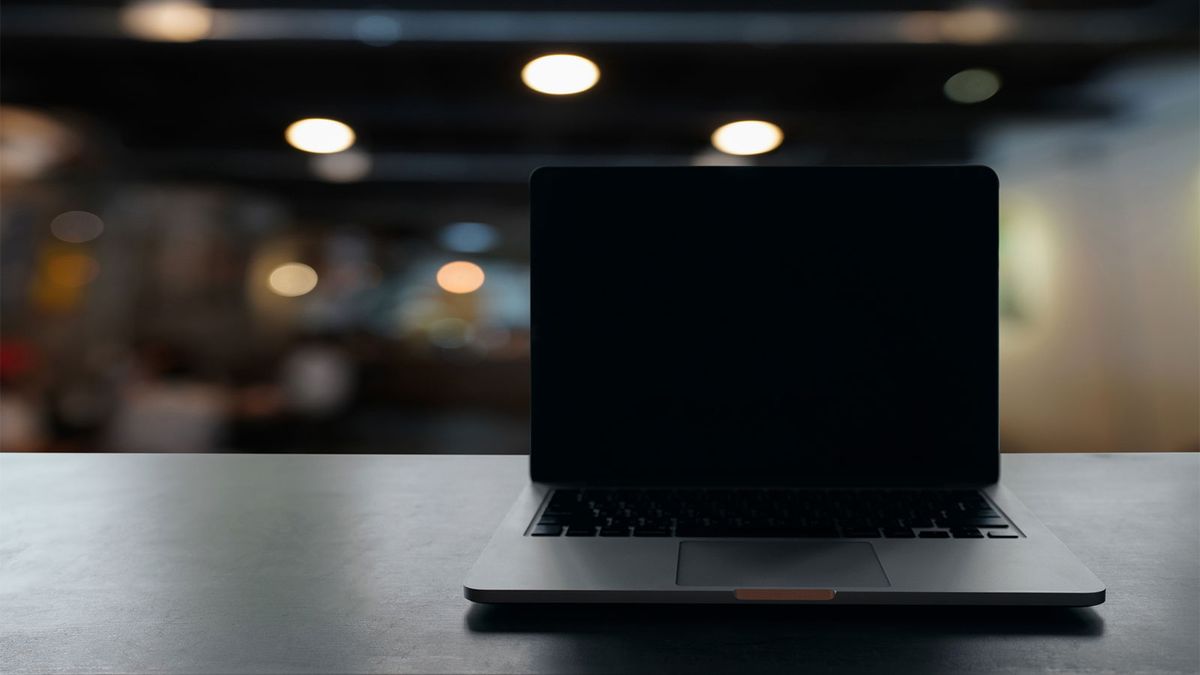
point(302, 226)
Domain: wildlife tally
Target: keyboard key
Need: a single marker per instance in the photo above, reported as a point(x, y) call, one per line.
point(1002, 535)
point(547, 530)
point(651, 532)
point(966, 533)
point(614, 532)
point(898, 533)
point(861, 534)
point(934, 534)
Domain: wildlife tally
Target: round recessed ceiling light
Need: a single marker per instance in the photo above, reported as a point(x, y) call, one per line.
point(318, 135)
point(748, 137)
point(460, 276)
point(973, 85)
point(167, 20)
point(560, 74)
point(292, 279)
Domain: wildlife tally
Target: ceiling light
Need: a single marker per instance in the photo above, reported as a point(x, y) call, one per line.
point(560, 74)
point(460, 276)
point(341, 167)
point(292, 279)
point(972, 86)
point(748, 137)
point(167, 20)
point(319, 135)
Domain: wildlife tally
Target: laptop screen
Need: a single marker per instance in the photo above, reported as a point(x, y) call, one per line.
point(777, 326)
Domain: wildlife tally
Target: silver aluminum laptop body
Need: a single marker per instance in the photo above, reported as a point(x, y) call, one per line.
point(779, 340)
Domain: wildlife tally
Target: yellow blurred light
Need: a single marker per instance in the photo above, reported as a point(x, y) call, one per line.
point(76, 227)
point(72, 270)
point(747, 137)
point(973, 85)
point(292, 279)
point(319, 135)
point(460, 276)
point(560, 74)
point(167, 20)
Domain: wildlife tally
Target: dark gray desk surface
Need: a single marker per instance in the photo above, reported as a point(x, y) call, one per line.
point(348, 564)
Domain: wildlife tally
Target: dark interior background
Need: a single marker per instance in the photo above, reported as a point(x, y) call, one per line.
point(160, 332)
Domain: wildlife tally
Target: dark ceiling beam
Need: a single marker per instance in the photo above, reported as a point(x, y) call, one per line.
point(968, 26)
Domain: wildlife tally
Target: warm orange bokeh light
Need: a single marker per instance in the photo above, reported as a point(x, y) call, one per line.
point(72, 270)
point(460, 276)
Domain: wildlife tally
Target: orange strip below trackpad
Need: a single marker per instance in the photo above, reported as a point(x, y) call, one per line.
point(792, 594)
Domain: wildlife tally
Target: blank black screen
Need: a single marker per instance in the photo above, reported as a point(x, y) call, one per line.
point(745, 325)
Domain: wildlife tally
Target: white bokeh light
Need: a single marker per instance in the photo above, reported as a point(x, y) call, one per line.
point(560, 74)
point(319, 135)
point(747, 137)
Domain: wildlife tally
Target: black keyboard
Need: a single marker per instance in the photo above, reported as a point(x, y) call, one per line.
point(771, 512)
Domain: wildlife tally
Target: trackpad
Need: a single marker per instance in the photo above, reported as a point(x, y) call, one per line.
point(779, 564)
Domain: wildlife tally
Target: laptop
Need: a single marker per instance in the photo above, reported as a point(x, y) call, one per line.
point(768, 385)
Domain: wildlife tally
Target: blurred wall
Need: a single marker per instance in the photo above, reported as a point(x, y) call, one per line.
point(1102, 221)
